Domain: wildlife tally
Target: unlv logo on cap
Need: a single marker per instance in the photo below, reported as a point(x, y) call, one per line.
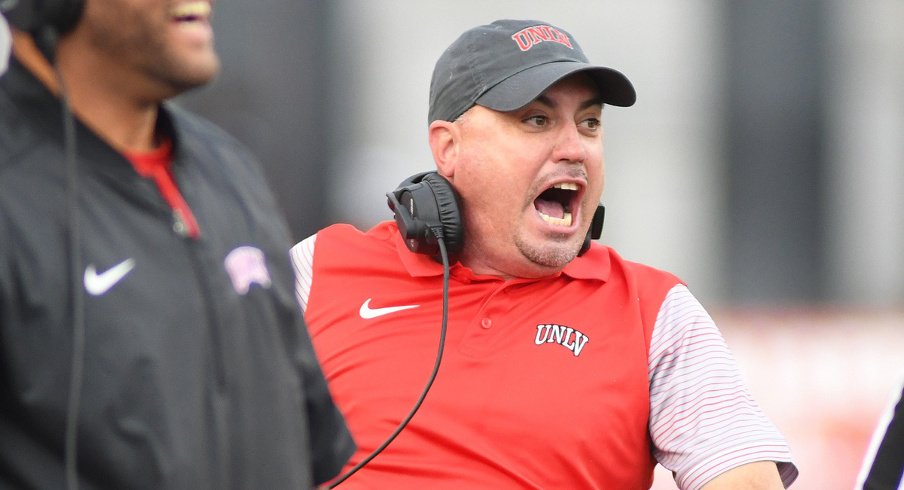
point(531, 36)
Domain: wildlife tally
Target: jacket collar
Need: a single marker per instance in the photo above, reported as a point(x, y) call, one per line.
point(42, 113)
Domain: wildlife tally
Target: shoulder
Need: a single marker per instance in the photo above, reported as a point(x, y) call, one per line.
point(342, 248)
point(337, 235)
point(343, 233)
point(602, 261)
point(637, 280)
point(15, 140)
point(334, 255)
point(640, 270)
point(19, 136)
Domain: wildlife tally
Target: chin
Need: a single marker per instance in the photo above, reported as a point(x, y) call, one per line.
point(194, 78)
point(551, 258)
point(204, 70)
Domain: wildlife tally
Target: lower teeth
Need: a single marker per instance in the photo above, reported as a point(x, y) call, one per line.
point(565, 220)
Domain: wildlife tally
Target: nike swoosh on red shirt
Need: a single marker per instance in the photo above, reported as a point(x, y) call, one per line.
point(367, 312)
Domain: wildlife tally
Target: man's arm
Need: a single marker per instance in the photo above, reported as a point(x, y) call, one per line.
point(302, 256)
point(703, 418)
point(761, 475)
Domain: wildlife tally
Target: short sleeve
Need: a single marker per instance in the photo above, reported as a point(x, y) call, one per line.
point(703, 419)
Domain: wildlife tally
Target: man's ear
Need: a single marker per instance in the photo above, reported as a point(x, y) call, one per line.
point(444, 137)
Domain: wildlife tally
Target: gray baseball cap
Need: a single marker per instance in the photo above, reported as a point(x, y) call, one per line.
point(507, 64)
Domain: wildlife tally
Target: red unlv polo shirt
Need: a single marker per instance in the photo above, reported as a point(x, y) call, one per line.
point(543, 384)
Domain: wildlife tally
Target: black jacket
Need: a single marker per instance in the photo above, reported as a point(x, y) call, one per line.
point(198, 370)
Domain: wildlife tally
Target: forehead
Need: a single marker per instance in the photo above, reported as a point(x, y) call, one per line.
point(578, 85)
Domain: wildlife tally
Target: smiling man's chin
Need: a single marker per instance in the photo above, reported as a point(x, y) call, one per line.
point(185, 71)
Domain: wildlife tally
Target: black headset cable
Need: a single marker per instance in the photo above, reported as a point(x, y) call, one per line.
point(77, 362)
point(438, 233)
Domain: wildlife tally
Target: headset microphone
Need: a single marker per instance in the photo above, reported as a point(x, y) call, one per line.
point(596, 228)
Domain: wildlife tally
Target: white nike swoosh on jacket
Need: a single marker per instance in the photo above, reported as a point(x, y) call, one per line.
point(99, 283)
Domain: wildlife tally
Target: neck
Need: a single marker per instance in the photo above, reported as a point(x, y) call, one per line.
point(27, 53)
point(125, 122)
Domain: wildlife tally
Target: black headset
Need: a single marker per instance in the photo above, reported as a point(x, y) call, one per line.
point(44, 19)
point(31, 15)
point(425, 204)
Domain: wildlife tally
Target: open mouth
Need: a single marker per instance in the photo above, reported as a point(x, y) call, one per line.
point(191, 12)
point(556, 204)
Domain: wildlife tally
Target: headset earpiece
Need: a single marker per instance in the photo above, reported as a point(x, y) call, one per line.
point(34, 15)
point(425, 202)
point(31, 15)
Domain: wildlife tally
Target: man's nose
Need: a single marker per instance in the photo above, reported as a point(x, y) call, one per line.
point(569, 145)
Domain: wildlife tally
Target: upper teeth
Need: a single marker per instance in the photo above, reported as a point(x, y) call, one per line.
point(191, 9)
point(569, 186)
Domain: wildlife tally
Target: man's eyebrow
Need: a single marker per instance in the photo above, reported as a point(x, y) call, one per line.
point(543, 99)
point(592, 102)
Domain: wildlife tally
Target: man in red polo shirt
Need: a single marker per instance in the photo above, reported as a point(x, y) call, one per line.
point(563, 365)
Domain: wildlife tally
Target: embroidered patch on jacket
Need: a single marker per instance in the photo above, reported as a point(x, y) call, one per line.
point(246, 266)
point(567, 337)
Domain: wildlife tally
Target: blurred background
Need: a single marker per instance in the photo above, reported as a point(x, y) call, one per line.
point(763, 163)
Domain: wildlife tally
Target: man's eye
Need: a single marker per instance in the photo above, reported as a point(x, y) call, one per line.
point(592, 123)
point(538, 120)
